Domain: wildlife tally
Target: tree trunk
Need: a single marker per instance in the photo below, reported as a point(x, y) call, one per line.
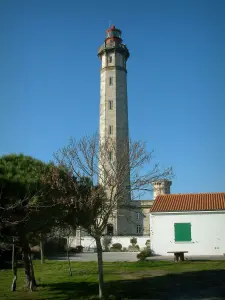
point(42, 250)
point(33, 281)
point(68, 258)
point(27, 266)
point(100, 268)
point(14, 267)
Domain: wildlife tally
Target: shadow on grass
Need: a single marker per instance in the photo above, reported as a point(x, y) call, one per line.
point(201, 260)
point(189, 285)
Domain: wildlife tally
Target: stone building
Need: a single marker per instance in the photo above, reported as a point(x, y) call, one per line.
point(140, 209)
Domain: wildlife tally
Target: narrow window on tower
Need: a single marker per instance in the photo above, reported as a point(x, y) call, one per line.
point(110, 80)
point(110, 155)
point(110, 59)
point(138, 215)
point(110, 129)
point(110, 104)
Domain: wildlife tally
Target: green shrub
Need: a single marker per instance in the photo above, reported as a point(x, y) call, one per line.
point(54, 246)
point(117, 247)
point(114, 250)
point(144, 254)
point(133, 241)
point(79, 249)
point(133, 248)
point(124, 249)
point(147, 244)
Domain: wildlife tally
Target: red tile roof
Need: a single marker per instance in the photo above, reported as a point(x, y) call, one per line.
point(189, 202)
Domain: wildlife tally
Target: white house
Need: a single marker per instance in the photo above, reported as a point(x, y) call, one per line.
point(188, 222)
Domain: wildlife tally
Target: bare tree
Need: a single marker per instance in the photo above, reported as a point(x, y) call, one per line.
point(117, 170)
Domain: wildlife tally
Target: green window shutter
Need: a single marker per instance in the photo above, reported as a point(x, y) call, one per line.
point(182, 232)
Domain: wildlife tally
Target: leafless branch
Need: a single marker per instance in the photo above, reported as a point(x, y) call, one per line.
point(117, 167)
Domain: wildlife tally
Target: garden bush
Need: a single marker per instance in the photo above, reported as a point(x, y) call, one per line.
point(54, 246)
point(133, 241)
point(147, 244)
point(117, 247)
point(144, 254)
point(133, 248)
point(79, 249)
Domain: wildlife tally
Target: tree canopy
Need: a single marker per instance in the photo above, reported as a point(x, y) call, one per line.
point(21, 191)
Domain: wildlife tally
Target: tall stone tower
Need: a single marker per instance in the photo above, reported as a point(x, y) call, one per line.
point(113, 106)
point(161, 187)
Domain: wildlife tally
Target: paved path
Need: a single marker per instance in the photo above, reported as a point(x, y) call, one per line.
point(107, 256)
point(130, 256)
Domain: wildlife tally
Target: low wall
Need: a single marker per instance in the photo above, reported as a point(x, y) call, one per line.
point(89, 242)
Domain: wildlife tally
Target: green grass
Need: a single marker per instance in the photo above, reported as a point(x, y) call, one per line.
point(134, 280)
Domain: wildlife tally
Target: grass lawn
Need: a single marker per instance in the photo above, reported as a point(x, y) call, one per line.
point(124, 280)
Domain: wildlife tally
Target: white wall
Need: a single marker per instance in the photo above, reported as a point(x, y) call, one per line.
point(123, 240)
point(207, 230)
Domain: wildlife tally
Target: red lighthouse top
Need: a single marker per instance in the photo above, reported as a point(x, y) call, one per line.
point(113, 34)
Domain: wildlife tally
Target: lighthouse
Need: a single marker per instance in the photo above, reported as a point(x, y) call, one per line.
point(132, 218)
point(113, 55)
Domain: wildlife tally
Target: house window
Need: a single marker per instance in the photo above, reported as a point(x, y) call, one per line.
point(110, 129)
point(110, 155)
point(124, 62)
point(110, 104)
point(138, 215)
point(182, 232)
point(110, 59)
point(109, 229)
point(138, 228)
point(110, 80)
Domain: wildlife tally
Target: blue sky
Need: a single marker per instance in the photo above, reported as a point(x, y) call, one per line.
point(49, 79)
